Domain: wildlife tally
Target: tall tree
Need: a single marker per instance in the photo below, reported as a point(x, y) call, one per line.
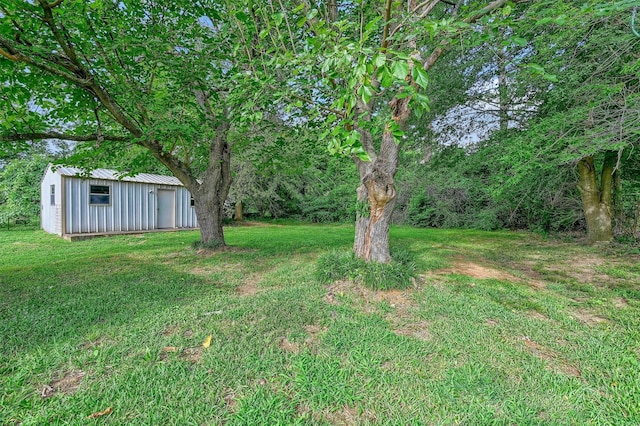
point(170, 78)
point(374, 60)
point(592, 113)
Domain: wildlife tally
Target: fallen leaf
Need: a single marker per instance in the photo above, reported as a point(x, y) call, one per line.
point(207, 341)
point(100, 413)
point(170, 349)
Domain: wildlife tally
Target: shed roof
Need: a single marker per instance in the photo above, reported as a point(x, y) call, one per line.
point(107, 174)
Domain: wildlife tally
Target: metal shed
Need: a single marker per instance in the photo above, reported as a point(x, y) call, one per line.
point(107, 203)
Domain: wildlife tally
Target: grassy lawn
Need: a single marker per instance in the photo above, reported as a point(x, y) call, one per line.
point(500, 328)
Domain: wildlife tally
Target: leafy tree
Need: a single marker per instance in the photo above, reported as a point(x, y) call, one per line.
point(117, 75)
point(590, 114)
point(374, 59)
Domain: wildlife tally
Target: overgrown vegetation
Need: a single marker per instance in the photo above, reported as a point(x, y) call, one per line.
point(502, 328)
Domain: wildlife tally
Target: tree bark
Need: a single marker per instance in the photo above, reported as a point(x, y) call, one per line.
point(503, 94)
point(597, 199)
point(210, 195)
point(237, 214)
point(376, 198)
point(377, 190)
point(636, 221)
point(620, 223)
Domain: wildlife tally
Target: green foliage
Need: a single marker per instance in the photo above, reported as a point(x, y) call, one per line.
point(450, 191)
point(20, 188)
point(335, 205)
point(338, 265)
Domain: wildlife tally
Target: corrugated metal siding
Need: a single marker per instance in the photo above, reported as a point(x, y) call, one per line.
point(51, 215)
point(107, 174)
point(133, 207)
point(185, 214)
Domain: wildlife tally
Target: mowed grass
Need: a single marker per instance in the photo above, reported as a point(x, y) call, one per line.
point(500, 328)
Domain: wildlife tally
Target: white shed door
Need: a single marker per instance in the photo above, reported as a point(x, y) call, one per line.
point(166, 208)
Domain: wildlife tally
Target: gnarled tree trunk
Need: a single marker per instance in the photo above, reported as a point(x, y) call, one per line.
point(377, 198)
point(597, 199)
point(377, 190)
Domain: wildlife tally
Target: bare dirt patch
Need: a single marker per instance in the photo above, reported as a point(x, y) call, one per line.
point(417, 329)
point(192, 355)
point(554, 361)
point(346, 416)
point(398, 299)
point(230, 400)
point(589, 318)
point(537, 315)
point(534, 278)
point(620, 302)
point(289, 346)
point(582, 268)
point(314, 332)
point(67, 384)
point(475, 270)
point(491, 322)
point(250, 286)
point(170, 330)
point(538, 350)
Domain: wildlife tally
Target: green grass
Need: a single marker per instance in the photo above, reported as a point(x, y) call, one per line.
point(503, 328)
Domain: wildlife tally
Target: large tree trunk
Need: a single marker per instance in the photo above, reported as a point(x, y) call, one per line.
point(596, 200)
point(377, 191)
point(376, 198)
point(210, 213)
point(209, 195)
point(237, 214)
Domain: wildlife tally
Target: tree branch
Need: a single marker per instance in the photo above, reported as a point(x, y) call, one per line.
point(427, 9)
point(8, 55)
point(48, 19)
point(438, 51)
point(63, 136)
point(385, 31)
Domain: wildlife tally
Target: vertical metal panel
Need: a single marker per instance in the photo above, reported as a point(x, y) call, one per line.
point(133, 207)
point(186, 216)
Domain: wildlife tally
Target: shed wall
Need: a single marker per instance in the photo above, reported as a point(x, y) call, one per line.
point(133, 207)
point(51, 214)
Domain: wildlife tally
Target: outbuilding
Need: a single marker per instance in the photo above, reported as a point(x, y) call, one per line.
point(104, 201)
